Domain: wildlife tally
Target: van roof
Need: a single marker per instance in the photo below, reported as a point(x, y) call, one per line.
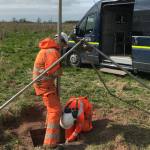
point(109, 0)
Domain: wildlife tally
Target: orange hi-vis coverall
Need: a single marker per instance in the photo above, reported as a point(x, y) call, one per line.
point(45, 87)
point(83, 122)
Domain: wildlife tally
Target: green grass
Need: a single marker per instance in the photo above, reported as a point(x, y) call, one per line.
point(17, 53)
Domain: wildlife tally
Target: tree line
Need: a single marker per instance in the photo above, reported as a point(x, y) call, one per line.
point(39, 20)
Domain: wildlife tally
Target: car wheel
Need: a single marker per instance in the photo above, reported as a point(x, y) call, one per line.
point(74, 60)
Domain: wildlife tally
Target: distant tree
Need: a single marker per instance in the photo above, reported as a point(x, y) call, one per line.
point(39, 20)
point(22, 20)
point(14, 19)
point(49, 21)
point(71, 21)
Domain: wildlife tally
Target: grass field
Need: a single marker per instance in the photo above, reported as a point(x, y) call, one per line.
point(118, 126)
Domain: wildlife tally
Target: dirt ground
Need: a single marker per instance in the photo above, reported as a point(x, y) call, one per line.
point(110, 126)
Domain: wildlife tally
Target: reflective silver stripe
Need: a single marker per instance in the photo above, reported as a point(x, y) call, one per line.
point(52, 136)
point(34, 76)
point(53, 126)
point(75, 134)
point(49, 50)
point(43, 78)
point(38, 70)
point(80, 109)
point(47, 78)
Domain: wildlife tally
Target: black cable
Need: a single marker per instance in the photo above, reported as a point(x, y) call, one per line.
point(101, 80)
point(130, 74)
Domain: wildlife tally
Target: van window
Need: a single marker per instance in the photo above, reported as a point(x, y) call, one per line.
point(144, 41)
point(82, 27)
point(141, 41)
point(87, 25)
point(121, 19)
point(90, 25)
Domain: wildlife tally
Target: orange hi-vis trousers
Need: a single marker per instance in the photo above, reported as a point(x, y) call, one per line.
point(53, 106)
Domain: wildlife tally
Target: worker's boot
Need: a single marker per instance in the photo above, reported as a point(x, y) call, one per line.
point(49, 147)
point(58, 147)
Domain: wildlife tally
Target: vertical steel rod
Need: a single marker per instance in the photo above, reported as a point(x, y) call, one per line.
point(59, 30)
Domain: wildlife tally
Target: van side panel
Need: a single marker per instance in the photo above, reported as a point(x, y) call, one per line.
point(141, 58)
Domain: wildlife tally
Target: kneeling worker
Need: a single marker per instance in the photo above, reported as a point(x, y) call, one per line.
point(76, 118)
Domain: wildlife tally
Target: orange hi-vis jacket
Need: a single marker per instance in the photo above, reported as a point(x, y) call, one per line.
point(45, 58)
point(83, 122)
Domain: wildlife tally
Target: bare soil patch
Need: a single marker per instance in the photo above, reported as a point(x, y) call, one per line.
point(112, 125)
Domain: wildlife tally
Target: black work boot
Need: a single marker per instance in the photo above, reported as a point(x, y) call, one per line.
point(59, 147)
point(47, 147)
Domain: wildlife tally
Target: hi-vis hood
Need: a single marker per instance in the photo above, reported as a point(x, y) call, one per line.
point(48, 43)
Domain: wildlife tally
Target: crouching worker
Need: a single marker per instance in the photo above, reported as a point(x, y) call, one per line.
point(76, 118)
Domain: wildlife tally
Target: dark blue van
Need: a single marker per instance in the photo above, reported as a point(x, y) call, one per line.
point(120, 29)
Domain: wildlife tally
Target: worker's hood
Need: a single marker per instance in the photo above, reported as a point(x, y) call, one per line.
point(48, 43)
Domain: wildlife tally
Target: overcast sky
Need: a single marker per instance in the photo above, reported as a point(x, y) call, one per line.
point(44, 9)
point(47, 9)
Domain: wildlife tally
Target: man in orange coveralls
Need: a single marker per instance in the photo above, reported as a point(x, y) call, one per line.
point(45, 86)
point(76, 118)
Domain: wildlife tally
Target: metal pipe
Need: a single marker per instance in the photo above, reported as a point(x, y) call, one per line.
point(59, 30)
point(59, 24)
point(50, 67)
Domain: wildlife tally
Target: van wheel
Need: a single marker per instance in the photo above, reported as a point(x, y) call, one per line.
point(74, 60)
point(135, 71)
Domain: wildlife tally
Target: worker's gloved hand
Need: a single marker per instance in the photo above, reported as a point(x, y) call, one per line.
point(71, 139)
point(66, 142)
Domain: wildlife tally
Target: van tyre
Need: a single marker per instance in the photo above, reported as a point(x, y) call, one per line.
point(74, 60)
point(135, 71)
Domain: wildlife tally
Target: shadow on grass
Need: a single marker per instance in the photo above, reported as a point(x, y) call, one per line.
point(105, 131)
point(144, 75)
